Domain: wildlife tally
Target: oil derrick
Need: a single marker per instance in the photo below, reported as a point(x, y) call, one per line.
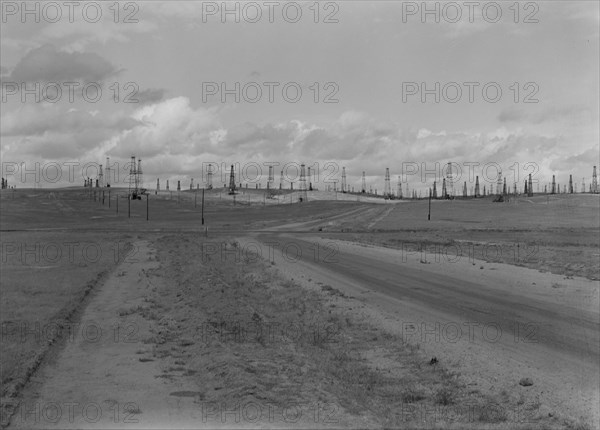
point(465, 189)
point(270, 179)
point(594, 182)
point(140, 178)
point(504, 187)
point(281, 181)
point(484, 191)
point(449, 183)
point(570, 184)
point(108, 172)
point(499, 183)
point(526, 190)
point(387, 189)
point(530, 187)
point(100, 176)
point(310, 188)
point(444, 194)
point(399, 193)
point(232, 181)
point(178, 185)
point(434, 190)
point(167, 187)
point(364, 183)
point(515, 189)
point(157, 184)
point(583, 185)
point(133, 179)
point(553, 185)
point(343, 179)
point(209, 175)
point(477, 187)
point(302, 185)
point(407, 190)
point(191, 183)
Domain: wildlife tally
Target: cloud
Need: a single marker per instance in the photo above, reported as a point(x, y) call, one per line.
point(45, 131)
point(149, 96)
point(47, 64)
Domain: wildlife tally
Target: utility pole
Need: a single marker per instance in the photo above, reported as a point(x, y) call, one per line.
point(429, 212)
point(202, 206)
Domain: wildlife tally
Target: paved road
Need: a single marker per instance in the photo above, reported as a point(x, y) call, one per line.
point(515, 323)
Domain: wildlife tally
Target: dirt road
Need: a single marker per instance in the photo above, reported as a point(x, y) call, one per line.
point(497, 323)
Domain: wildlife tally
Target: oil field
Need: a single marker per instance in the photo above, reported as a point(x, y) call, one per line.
point(300, 215)
point(315, 314)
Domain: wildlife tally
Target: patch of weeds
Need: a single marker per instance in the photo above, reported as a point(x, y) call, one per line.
point(412, 395)
point(131, 310)
point(444, 396)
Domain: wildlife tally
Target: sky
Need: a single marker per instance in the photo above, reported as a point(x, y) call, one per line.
point(358, 85)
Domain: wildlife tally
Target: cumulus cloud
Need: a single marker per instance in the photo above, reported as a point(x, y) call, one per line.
point(174, 138)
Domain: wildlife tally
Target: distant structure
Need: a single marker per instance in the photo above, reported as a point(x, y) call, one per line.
point(477, 194)
point(553, 185)
point(570, 184)
point(281, 181)
point(387, 190)
point(465, 189)
point(594, 182)
point(525, 189)
point(444, 191)
point(364, 183)
point(343, 179)
point(271, 178)
point(484, 191)
point(504, 187)
point(449, 182)
point(310, 188)
point(108, 169)
point(178, 185)
point(191, 183)
point(167, 187)
point(4, 183)
point(530, 187)
point(209, 176)
point(302, 185)
point(135, 179)
point(232, 181)
point(399, 193)
point(100, 177)
point(157, 184)
point(499, 183)
point(434, 190)
point(583, 185)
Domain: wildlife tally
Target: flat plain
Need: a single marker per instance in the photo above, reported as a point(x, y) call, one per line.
point(342, 311)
